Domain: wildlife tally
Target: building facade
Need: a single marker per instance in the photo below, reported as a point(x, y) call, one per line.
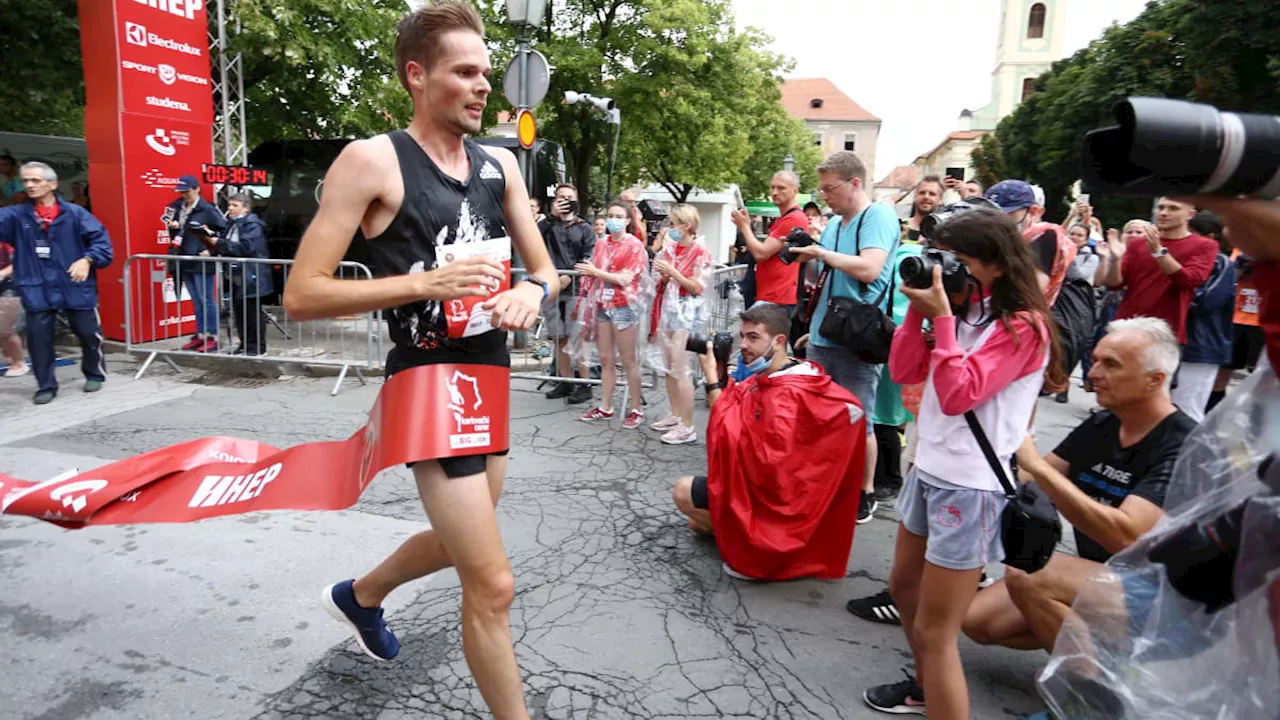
point(834, 120)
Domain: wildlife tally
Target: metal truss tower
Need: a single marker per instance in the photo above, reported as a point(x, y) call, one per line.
point(229, 144)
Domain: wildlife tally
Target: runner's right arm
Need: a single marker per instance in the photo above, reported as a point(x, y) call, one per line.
point(356, 180)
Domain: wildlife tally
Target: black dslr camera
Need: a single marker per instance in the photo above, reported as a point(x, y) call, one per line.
point(1175, 147)
point(795, 239)
point(929, 225)
point(721, 345)
point(917, 272)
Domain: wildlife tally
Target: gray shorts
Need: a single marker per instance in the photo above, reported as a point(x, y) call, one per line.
point(851, 374)
point(962, 525)
point(620, 317)
point(555, 317)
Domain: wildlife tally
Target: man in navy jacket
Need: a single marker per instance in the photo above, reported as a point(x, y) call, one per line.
point(246, 237)
point(191, 219)
point(57, 248)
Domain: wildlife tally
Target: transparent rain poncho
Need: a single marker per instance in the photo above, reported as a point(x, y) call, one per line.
point(1148, 639)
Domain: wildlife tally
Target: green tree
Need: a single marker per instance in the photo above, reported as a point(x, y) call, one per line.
point(319, 68)
point(43, 87)
point(1226, 54)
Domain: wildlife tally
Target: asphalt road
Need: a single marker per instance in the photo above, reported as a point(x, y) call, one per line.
point(620, 612)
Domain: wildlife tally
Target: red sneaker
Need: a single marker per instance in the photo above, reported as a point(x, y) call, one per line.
point(596, 414)
point(194, 343)
point(209, 346)
point(634, 418)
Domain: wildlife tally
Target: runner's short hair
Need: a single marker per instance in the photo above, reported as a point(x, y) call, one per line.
point(418, 34)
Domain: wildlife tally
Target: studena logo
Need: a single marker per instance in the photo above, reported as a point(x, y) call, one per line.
point(181, 8)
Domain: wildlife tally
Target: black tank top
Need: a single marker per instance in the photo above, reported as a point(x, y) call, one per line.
point(437, 210)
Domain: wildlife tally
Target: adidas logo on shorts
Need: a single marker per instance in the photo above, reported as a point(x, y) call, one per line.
point(489, 172)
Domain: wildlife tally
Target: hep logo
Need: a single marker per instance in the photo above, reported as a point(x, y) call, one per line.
point(168, 75)
point(457, 383)
point(76, 495)
point(949, 516)
point(135, 34)
point(160, 142)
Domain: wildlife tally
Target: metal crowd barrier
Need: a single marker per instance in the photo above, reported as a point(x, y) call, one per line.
point(726, 298)
point(165, 295)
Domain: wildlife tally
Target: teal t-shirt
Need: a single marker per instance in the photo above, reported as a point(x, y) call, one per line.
point(880, 230)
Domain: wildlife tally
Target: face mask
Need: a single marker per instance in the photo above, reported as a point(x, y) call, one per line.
point(675, 235)
point(761, 363)
point(615, 226)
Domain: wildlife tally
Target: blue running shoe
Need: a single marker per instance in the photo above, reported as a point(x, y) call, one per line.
point(375, 638)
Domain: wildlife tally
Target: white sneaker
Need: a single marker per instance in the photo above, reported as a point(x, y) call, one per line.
point(666, 423)
point(734, 573)
point(680, 434)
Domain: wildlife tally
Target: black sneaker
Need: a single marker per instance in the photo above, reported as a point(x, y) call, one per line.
point(878, 608)
point(900, 698)
point(885, 493)
point(866, 508)
point(580, 394)
point(1061, 398)
point(561, 390)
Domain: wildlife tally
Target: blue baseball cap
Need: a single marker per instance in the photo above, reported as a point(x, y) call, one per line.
point(187, 182)
point(1012, 195)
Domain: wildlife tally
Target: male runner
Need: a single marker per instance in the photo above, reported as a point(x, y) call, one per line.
point(410, 192)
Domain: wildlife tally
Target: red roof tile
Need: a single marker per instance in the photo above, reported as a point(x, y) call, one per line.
point(798, 96)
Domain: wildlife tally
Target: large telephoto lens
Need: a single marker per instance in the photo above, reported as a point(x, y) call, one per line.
point(1175, 147)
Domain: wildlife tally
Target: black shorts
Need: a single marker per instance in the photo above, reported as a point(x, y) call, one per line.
point(698, 493)
point(480, 353)
point(1247, 347)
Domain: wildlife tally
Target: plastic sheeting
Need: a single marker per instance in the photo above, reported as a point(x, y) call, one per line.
point(1133, 646)
point(675, 316)
point(627, 304)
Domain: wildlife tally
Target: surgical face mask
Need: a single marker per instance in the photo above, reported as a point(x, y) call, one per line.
point(615, 226)
point(761, 363)
point(675, 235)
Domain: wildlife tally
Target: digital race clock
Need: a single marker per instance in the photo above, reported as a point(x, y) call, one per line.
point(234, 175)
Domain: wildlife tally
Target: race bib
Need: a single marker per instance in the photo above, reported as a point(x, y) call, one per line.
point(43, 252)
point(464, 316)
point(606, 294)
point(1249, 301)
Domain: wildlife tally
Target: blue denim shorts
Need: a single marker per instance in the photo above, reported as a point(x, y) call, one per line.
point(620, 317)
point(962, 525)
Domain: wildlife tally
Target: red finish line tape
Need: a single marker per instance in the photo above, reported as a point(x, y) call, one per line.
point(431, 411)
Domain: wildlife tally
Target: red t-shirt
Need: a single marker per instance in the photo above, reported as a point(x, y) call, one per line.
point(1151, 293)
point(776, 280)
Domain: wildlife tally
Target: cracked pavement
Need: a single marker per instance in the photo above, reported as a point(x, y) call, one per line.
point(620, 611)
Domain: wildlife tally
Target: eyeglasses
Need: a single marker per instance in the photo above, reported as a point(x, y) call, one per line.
point(828, 189)
point(34, 181)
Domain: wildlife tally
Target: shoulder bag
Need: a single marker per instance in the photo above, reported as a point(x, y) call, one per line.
point(1030, 527)
point(863, 328)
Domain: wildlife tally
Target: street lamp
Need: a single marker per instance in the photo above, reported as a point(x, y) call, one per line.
point(525, 16)
point(789, 163)
point(527, 13)
point(612, 116)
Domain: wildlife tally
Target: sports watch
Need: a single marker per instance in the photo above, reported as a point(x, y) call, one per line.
point(546, 292)
point(1162, 252)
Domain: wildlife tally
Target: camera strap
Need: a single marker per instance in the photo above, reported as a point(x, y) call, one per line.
point(826, 271)
point(990, 454)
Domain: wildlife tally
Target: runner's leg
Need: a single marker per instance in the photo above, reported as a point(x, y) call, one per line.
point(420, 555)
point(462, 514)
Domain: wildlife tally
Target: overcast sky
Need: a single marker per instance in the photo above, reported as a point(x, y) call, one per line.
point(915, 64)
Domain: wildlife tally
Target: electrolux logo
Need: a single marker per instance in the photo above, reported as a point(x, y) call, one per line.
point(182, 8)
point(136, 34)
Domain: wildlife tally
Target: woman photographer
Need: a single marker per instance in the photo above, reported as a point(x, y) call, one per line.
point(992, 342)
point(611, 307)
point(678, 310)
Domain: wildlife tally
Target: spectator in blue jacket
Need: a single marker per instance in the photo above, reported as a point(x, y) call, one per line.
point(1210, 333)
point(192, 219)
point(246, 237)
point(57, 246)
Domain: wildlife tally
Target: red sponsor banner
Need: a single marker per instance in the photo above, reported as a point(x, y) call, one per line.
point(428, 412)
point(148, 120)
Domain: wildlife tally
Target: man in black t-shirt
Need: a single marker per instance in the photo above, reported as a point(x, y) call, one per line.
point(1108, 478)
point(570, 241)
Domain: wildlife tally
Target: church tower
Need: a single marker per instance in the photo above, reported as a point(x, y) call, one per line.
point(1030, 40)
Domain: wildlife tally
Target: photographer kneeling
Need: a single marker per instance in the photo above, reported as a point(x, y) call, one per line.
point(1107, 478)
point(785, 454)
